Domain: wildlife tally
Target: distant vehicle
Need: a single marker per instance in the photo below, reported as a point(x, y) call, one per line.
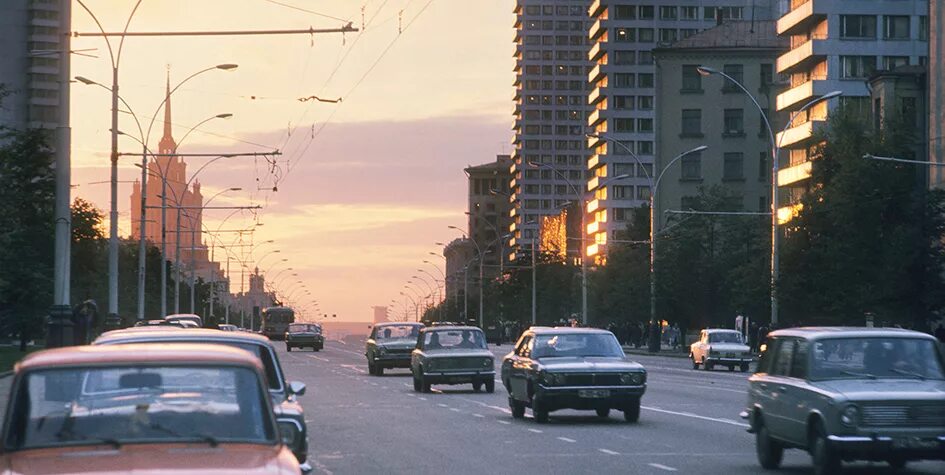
point(227, 327)
point(275, 321)
point(721, 347)
point(389, 346)
point(452, 355)
point(161, 323)
point(848, 394)
point(289, 412)
point(302, 335)
point(572, 368)
point(146, 409)
point(185, 317)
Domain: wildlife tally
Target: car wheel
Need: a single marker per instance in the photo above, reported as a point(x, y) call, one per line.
point(695, 364)
point(631, 413)
point(897, 463)
point(416, 384)
point(490, 386)
point(744, 367)
point(708, 365)
point(379, 371)
point(371, 369)
point(731, 368)
point(769, 451)
point(477, 387)
point(603, 412)
point(540, 413)
point(826, 461)
point(517, 407)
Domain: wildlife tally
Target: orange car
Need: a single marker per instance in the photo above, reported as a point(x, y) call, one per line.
point(168, 409)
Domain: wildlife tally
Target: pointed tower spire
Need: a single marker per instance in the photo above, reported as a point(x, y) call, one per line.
point(167, 144)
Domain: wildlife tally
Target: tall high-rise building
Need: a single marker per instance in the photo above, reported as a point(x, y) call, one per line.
point(836, 46)
point(622, 97)
point(935, 29)
point(489, 209)
point(30, 38)
point(550, 149)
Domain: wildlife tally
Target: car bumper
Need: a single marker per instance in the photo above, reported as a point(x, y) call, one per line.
point(305, 341)
point(392, 361)
point(588, 397)
point(727, 361)
point(458, 377)
point(881, 447)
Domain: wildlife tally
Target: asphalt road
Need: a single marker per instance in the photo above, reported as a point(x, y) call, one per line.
point(362, 424)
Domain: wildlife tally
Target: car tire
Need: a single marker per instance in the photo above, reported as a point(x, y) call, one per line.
point(540, 414)
point(707, 365)
point(631, 413)
point(769, 451)
point(477, 386)
point(490, 386)
point(517, 407)
point(379, 371)
point(695, 364)
point(731, 368)
point(371, 369)
point(288, 348)
point(826, 461)
point(603, 412)
point(744, 367)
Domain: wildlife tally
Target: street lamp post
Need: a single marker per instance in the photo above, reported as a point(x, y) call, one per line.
point(481, 283)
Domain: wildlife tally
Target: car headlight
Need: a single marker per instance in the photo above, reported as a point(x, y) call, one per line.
point(381, 350)
point(431, 365)
point(552, 379)
point(626, 378)
point(290, 431)
point(486, 362)
point(634, 379)
point(850, 415)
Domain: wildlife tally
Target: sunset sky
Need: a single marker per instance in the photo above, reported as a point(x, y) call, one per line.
point(361, 204)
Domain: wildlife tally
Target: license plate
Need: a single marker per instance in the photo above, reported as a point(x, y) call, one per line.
point(915, 443)
point(593, 393)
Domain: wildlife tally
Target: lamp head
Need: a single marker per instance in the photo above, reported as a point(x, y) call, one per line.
point(85, 80)
point(227, 66)
point(706, 70)
point(224, 116)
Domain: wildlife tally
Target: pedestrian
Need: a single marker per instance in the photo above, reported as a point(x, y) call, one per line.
point(762, 336)
point(753, 337)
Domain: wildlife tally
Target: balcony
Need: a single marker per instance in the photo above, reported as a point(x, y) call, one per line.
point(595, 117)
point(596, 73)
point(593, 161)
point(596, 51)
point(592, 228)
point(593, 250)
point(800, 134)
point(598, 28)
point(513, 183)
point(799, 95)
point(802, 56)
point(596, 95)
point(594, 205)
point(802, 17)
point(797, 173)
point(597, 7)
point(593, 183)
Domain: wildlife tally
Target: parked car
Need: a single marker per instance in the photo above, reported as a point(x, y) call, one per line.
point(717, 346)
point(186, 317)
point(301, 335)
point(143, 409)
point(452, 355)
point(287, 408)
point(389, 346)
point(572, 368)
point(848, 394)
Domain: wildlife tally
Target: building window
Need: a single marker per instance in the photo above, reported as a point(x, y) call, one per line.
point(645, 125)
point(623, 102)
point(623, 125)
point(646, 102)
point(688, 13)
point(623, 169)
point(646, 12)
point(767, 75)
point(857, 26)
point(643, 193)
point(644, 147)
point(763, 171)
point(623, 192)
point(726, 13)
point(620, 214)
point(646, 170)
point(623, 80)
point(896, 27)
point(923, 28)
point(691, 79)
point(645, 35)
point(687, 32)
point(857, 67)
point(667, 13)
point(907, 108)
point(692, 122)
point(692, 166)
point(668, 35)
point(737, 72)
point(645, 80)
point(733, 165)
point(625, 12)
point(624, 58)
point(734, 122)
point(893, 62)
point(646, 57)
point(625, 35)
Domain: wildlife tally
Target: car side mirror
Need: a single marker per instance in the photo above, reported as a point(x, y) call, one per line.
point(297, 388)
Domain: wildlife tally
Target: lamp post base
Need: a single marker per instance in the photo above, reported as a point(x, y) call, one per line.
point(60, 330)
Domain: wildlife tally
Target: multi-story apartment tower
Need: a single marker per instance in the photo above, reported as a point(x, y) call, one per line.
point(936, 78)
point(836, 46)
point(30, 36)
point(489, 209)
point(550, 150)
point(622, 97)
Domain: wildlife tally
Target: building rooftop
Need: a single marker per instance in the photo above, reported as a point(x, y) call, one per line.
point(734, 35)
point(502, 162)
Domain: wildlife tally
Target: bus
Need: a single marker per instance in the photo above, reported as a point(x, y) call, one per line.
point(275, 321)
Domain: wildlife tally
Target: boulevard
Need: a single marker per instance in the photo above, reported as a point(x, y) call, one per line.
point(368, 424)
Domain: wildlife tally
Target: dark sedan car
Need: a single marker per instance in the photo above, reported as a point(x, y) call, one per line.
point(302, 335)
point(288, 411)
point(389, 346)
point(572, 368)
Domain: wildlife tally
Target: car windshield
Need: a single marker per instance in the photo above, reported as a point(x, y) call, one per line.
point(725, 337)
point(393, 332)
point(301, 327)
point(453, 339)
point(876, 358)
point(120, 405)
point(576, 344)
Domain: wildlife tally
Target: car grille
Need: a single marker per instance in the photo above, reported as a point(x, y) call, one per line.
point(591, 379)
point(470, 363)
point(399, 351)
point(902, 415)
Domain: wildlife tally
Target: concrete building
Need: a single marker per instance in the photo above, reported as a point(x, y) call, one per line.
point(836, 46)
point(380, 314)
point(900, 94)
point(551, 67)
point(935, 28)
point(461, 271)
point(692, 110)
point(622, 96)
point(30, 35)
point(489, 209)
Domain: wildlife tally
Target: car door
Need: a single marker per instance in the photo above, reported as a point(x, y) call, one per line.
point(508, 360)
point(796, 394)
point(774, 389)
point(518, 370)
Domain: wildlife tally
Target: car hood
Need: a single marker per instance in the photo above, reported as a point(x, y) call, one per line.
point(457, 353)
point(728, 347)
point(148, 459)
point(398, 343)
point(589, 364)
point(886, 389)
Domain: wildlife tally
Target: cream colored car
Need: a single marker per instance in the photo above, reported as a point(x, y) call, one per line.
point(717, 346)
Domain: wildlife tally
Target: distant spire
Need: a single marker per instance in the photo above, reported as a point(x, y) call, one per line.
point(167, 144)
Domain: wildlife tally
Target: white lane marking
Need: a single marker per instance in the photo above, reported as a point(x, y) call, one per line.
point(436, 391)
point(408, 385)
point(423, 399)
point(454, 409)
point(442, 405)
point(504, 422)
point(479, 415)
point(535, 431)
point(609, 452)
point(662, 467)
point(319, 358)
point(501, 409)
point(565, 439)
point(696, 416)
point(498, 380)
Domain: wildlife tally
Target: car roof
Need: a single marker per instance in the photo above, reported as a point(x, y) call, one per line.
point(450, 328)
point(564, 330)
point(397, 324)
point(720, 330)
point(183, 315)
point(88, 355)
point(848, 332)
point(196, 334)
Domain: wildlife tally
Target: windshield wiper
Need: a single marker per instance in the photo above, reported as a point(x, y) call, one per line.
point(209, 439)
point(907, 373)
point(859, 375)
point(69, 437)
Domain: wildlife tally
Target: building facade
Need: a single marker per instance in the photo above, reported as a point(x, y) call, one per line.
point(900, 95)
point(693, 110)
point(936, 83)
point(550, 150)
point(622, 97)
point(30, 36)
point(837, 46)
point(489, 209)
